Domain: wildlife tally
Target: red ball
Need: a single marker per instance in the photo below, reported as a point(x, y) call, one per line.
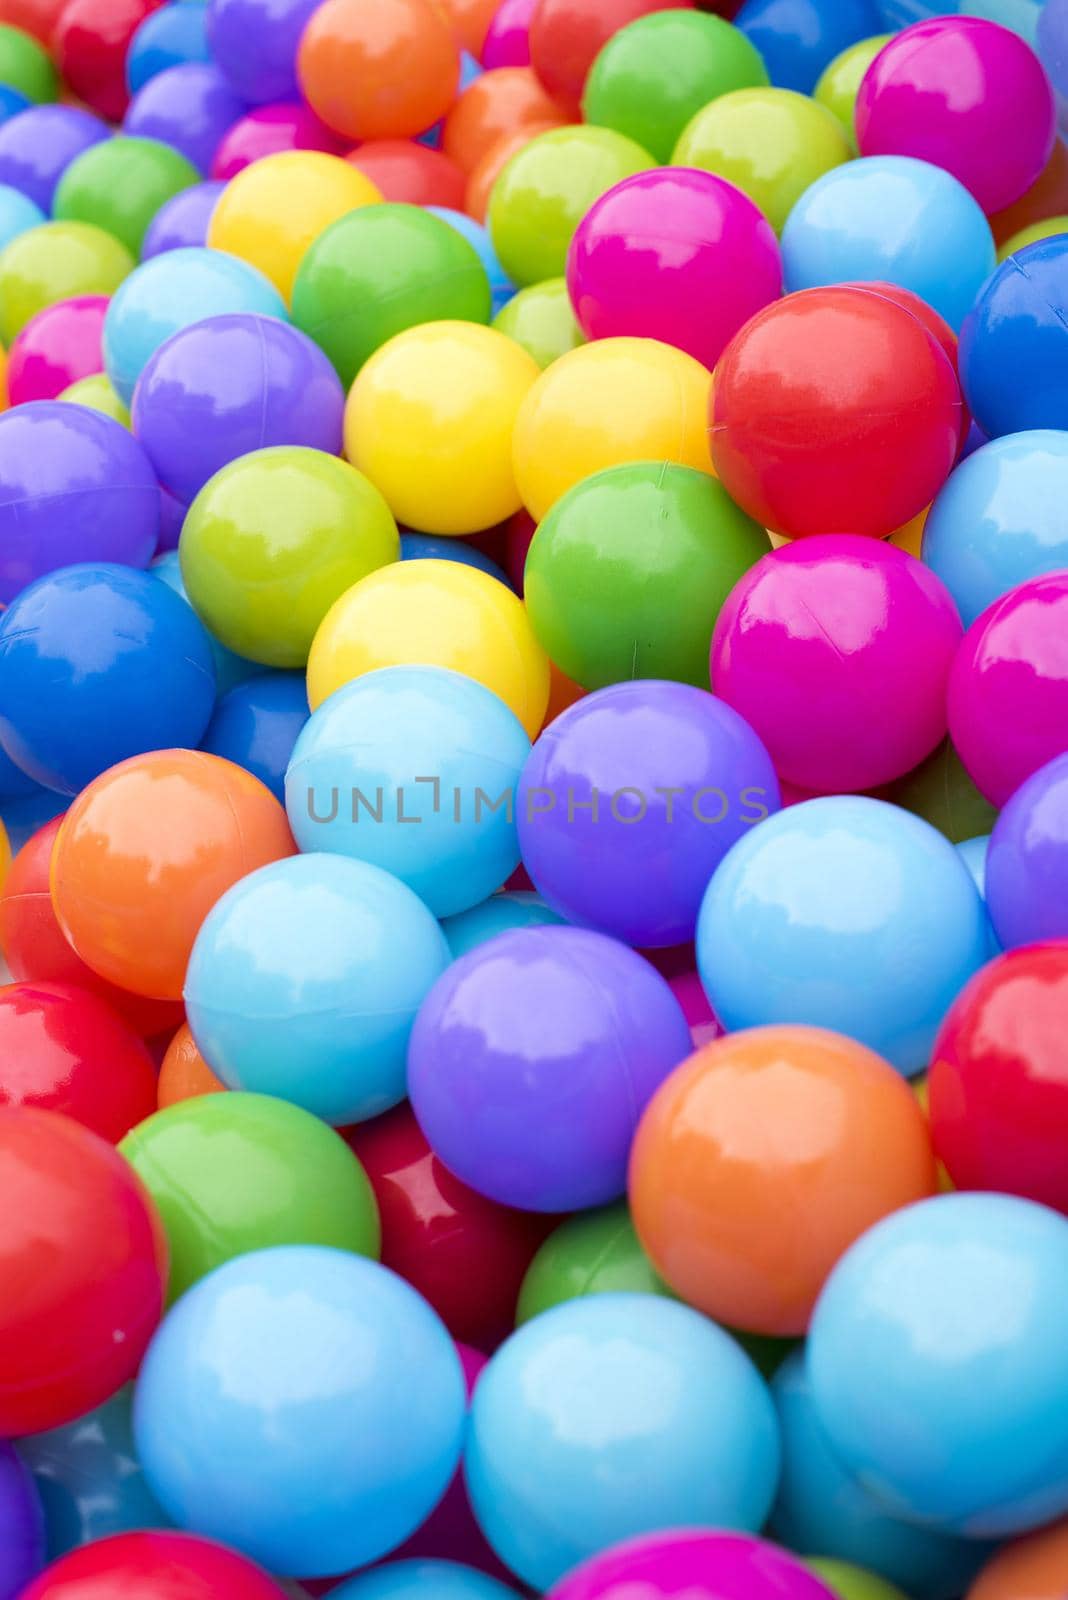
point(90, 45)
point(834, 411)
point(403, 170)
point(83, 1264)
point(936, 326)
point(999, 1080)
point(58, 346)
point(566, 35)
point(37, 950)
point(466, 1255)
point(153, 1566)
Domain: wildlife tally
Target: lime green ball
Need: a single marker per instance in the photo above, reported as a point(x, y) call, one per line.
point(941, 792)
point(379, 271)
point(596, 1252)
point(97, 393)
point(771, 143)
point(54, 262)
point(655, 74)
point(1048, 228)
point(234, 1172)
point(627, 573)
point(25, 65)
point(540, 319)
point(851, 1583)
point(546, 189)
point(841, 79)
point(273, 540)
point(120, 184)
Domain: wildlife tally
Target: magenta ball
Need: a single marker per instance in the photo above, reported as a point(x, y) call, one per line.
point(692, 1566)
point(837, 651)
point(268, 131)
point(57, 347)
point(507, 42)
point(701, 1020)
point(1008, 691)
point(676, 255)
point(967, 95)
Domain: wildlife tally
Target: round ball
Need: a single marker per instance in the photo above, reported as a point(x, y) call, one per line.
point(839, 82)
point(379, 69)
point(566, 35)
point(1027, 862)
point(58, 347)
point(167, 38)
point(256, 724)
point(268, 131)
point(37, 146)
point(1011, 347)
point(409, 1580)
point(693, 1566)
point(541, 320)
point(188, 108)
point(512, 908)
point(597, 1252)
point(18, 213)
point(798, 38)
point(154, 1566)
point(57, 261)
point(405, 170)
point(21, 1523)
point(96, 393)
point(255, 43)
point(90, 42)
point(120, 184)
point(25, 65)
point(495, 105)
point(181, 223)
point(1034, 1565)
point(183, 1073)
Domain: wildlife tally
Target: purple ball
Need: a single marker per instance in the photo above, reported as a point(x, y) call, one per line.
point(189, 107)
point(1027, 861)
point(22, 1537)
point(255, 43)
point(229, 385)
point(38, 146)
point(692, 1565)
point(74, 486)
point(183, 221)
point(172, 515)
point(675, 775)
point(532, 1059)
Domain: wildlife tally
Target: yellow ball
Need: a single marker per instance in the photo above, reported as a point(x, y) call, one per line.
point(439, 614)
point(606, 403)
point(430, 420)
point(1046, 229)
point(275, 209)
point(840, 82)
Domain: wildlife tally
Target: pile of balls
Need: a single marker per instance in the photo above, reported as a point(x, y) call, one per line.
point(534, 795)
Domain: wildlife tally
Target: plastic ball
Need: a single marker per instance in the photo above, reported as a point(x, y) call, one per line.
point(494, 105)
point(1046, 197)
point(483, 178)
point(82, 1333)
point(184, 1074)
point(540, 320)
point(230, 669)
point(502, 289)
point(145, 852)
point(845, 913)
point(269, 516)
point(507, 41)
point(404, 170)
point(170, 37)
point(268, 131)
point(37, 146)
point(12, 101)
point(427, 547)
point(834, 411)
point(547, 188)
point(566, 36)
point(154, 1566)
point(693, 1566)
point(1027, 861)
point(183, 221)
point(25, 66)
point(1049, 228)
point(436, 614)
point(430, 420)
point(410, 1580)
point(90, 43)
point(678, 256)
point(189, 109)
point(22, 1543)
point(515, 908)
point(379, 271)
point(1034, 1566)
point(470, 19)
point(1011, 353)
point(982, 1470)
point(596, 1252)
point(18, 213)
point(256, 724)
point(839, 82)
point(771, 143)
point(57, 348)
point(799, 38)
point(55, 262)
point(608, 403)
point(550, 1493)
point(378, 69)
point(349, 1462)
point(966, 94)
point(255, 44)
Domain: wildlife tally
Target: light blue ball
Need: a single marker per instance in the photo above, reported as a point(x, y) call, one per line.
point(413, 769)
point(517, 908)
point(423, 1580)
point(230, 669)
point(973, 853)
point(170, 37)
point(304, 982)
point(891, 219)
point(172, 291)
point(18, 213)
point(502, 289)
point(846, 913)
point(939, 1366)
point(302, 1405)
point(1000, 519)
point(820, 1507)
point(426, 547)
point(611, 1416)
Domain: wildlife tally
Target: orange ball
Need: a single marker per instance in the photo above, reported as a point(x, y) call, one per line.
point(496, 158)
point(470, 21)
point(494, 105)
point(760, 1161)
point(379, 69)
point(185, 1075)
point(562, 693)
point(1032, 1568)
point(144, 853)
point(402, 170)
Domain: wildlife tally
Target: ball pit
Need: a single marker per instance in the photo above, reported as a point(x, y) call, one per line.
point(269, 131)
point(597, 1252)
point(26, 66)
point(507, 41)
point(182, 221)
point(184, 1074)
point(190, 108)
point(540, 320)
point(404, 170)
point(37, 146)
point(502, 289)
point(494, 105)
point(255, 44)
point(1016, 325)
point(386, 70)
point(799, 38)
point(256, 723)
point(20, 1525)
point(839, 83)
point(57, 348)
point(55, 262)
point(170, 37)
point(90, 42)
point(565, 37)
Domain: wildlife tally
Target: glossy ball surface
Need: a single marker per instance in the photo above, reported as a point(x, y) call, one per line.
point(1012, 346)
point(154, 1566)
point(379, 69)
point(58, 347)
point(693, 1566)
point(1027, 863)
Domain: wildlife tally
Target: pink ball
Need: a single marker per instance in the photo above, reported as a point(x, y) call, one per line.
point(692, 1566)
point(507, 42)
point(837, 650)
point(675, 255)
point(701, 1020)
point(267, 131)
point(967, 95)
point(1008, 691)
point(57, 347)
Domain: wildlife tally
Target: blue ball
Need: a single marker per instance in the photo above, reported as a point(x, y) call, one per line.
point(1014, 343)
point(97, 663)
point(13, 781)
point(322, 1380)
point(17, 214)
point(890, 219)
point(1027, 862)
point(820, 1507)
point(183, 220)
point(12, 102)
point(170, 37)
point(407, 743)
point(846, 913)
point(502, 289)
point(1052, 41)
point(421, 1580)
point(798, 38)
point(428, 547)
point(614, 1415)
point(304, 982)
point(171, 291)
point(939, 1368)
point(973, 853)
point(256, 725)
point(23, 814)
point(518, 908)
point(1000, 519)
point(230, 669)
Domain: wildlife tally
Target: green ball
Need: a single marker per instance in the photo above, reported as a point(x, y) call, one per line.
point(840, 81)
point(120, 184)
point(25, 65)
point(56, 261)
point(655, 74)
point(941, 792)
point(851, 1583)
point(546, 189)
point(234, 1172)
point(540, 319)
point(273, 540)
point(380, 270)
point(626, 575)
point(97, 393)
point(596, 1252)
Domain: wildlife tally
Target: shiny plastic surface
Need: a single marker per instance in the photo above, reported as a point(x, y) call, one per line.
point(412, 1580)
point(57, 347)
point(189, 108)
point(1013, 342)
point(153, 1566)
point(540, 319)
point(38, 145)
point(405, 171)
point(22, 1544)
point(839, 82)
point(502, 289)
point(386, 70)
point(268, 131)
point(183, 222)
point(799, 38)
point(1032, 1568)
point(494, 105)
point(255, 43)
point(89, 44)
point(515, 908)
point(507, 42)
point(1027, 862)
point(57, 261)
point(17, 213)
point(183, 1073)
point(693, 1566)
point(120, 184)
point(566, 35)
point(596, 1252)
point(167, 38)
point(256, 725)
